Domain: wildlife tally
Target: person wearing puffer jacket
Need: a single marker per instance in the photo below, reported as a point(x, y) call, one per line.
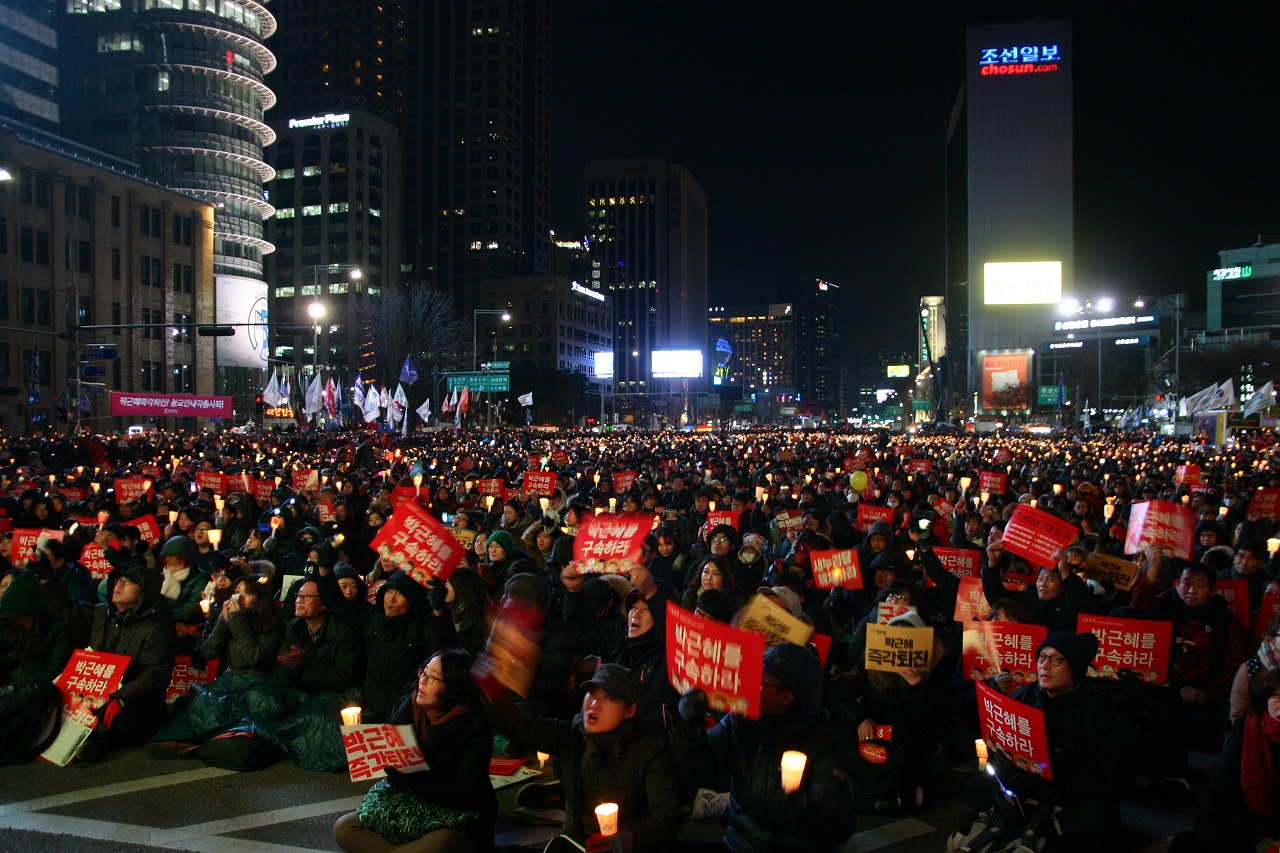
point(761, 816)
point(182, 585)
point(404, 632)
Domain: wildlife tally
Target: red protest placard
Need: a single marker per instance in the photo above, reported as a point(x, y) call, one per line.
point(1236, 592)
point(151, 471)
point(718, 659)
point(1134, 644)
point(1265, 503)
point(372, 748)
point(93, 559)
point(1037, 535)
point(560, 458)
point(402, 494)
point(1270, 607)
point(147, 526)
point(902, 449)
point(789, 519)
point(1161, 523)
point(305, 480)
point(961, 562)
point(92, 674)
point(992, 483)
point(185, 675)
point(132, 489)
point(418, 544)
point(722, 516)
point(538, 484)
point(1189, 474)
point(623, 480)
point(262, 489)
point(920, 466)
point(490, 486)
point(836, 569)
point(72, 495)
point(971, 604)
point(1002, 454)
point(990, 648)
point(1015, 729)
point(24, 545)
point(324, 512)
point(212, 480)
point(533, 463)
point(610, 544)
point(869, 514)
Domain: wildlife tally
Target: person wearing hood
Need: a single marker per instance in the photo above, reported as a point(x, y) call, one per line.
point(74, 577)
point(879, 540)
point(136, 621)
point(405, 631)
point(644, 652)
point(319, 651)
point(761, 817)
point(358, 610)
point(246, 631)
point(182, 584)
point(603, 755)
point(33, 645)
point(1083, 742)
point(501, 554)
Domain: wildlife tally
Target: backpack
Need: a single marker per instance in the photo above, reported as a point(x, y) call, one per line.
point(240, 750)
point(30, 718)
point(877, 771)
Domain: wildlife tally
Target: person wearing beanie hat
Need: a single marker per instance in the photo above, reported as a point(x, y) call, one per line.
point(761, 817)
point(183, 585)
point(1083, 740)
point(501, 554)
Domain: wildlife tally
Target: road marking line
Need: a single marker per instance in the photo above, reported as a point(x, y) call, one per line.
point(112, 790)
point(883, 836)
point(241, 822)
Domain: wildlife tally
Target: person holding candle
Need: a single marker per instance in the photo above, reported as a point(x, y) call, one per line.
point(604, 756)
point(762, 814)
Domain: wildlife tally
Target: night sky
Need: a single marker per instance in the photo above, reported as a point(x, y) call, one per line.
point(817, 131)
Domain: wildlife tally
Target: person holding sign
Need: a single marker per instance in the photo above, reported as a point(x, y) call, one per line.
point(1055, 600)
point(456, 739)
point(762, 816)
point(1081, 735)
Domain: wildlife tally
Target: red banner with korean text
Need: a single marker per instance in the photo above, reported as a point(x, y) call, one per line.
point(919, 466)
point(403, 494)
point(623, 480)
point(147, 526)
point(262, 489)
point(419, 545)
point(1270, 607)
point(722, 516)
point(538, 484)
point(560, 458)
point(212, 480)
point(1037, 535)
point(186, 674)
point(992, 483)
point(1236, 592)
point(718, 659)
point(132, 489)
point(961, 562)
point(1265, 503)
point(971, 604)
point(610, 544)
point(1161, 523)
point(305, 480)
point(93, 559)
point(836, 569)
point(490, 486)
point(533, 463)
point(1015, 730)
point(72, 495)
point(1189, 474)
point(24, 545)
point(1139, 645)
point(869, 514)
point(789, 519)
point(990, 648)
point(372, 748)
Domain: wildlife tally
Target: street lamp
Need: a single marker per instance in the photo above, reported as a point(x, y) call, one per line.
point(316, 310)
point(475, 321)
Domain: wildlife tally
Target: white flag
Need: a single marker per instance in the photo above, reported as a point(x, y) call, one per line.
point(424, 411)
point(1224, 397)
point(1197, 402)
point(400, 407)
point(271, 394)
point(315, 396)
point(371, 400)
point(1263, 398)
point(525, 399)
point(357, 395)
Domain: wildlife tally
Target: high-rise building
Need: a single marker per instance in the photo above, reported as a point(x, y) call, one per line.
point(29, 60)
point(762, 339)
point(177, 86)
point(818, 349)
point(647, 223)
point(468, 84)
point(336, 228)
point(1021, 238)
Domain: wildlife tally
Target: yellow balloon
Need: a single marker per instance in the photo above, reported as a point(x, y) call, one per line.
point(858, 480)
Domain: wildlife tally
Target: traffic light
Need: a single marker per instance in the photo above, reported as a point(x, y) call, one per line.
point(260, 406)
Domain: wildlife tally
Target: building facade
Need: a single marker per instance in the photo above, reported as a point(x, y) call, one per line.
point(1244, 289)
point(764, 343)
point(87, 243)
point(818, 350)
point(336, 228)
point(468, 84)
point(647, 224)
point(1020, 195)
point(29, 59)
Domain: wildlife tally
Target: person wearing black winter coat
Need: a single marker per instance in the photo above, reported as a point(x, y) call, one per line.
point(404, 631)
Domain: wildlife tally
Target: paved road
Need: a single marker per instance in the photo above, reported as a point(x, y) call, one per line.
point(130, 803)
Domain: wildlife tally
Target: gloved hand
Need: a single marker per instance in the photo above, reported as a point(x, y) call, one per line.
point(397, 778)
point(693, 707)
point(437, 592)
point(108, 712)
point(623, 841)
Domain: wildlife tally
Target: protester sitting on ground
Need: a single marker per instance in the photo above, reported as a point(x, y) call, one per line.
point(247, 632)
point(318, 652)
point(33, 645)
point(404, 631)
point(456, 740)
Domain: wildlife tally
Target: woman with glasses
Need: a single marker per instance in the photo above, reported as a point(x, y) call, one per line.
point(457, 741)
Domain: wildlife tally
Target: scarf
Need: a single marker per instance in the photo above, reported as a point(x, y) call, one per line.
point(1268, 655)
point(424, 720)
point(1261, 731)
point(172, 586)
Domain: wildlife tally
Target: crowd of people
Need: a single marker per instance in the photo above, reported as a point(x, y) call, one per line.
point(281, 589)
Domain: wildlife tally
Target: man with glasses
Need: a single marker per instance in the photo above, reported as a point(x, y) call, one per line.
point(318, 652)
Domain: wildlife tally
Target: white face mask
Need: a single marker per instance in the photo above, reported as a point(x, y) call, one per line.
point(748, 556)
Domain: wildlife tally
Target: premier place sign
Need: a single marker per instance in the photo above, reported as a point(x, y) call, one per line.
point(325, 121)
